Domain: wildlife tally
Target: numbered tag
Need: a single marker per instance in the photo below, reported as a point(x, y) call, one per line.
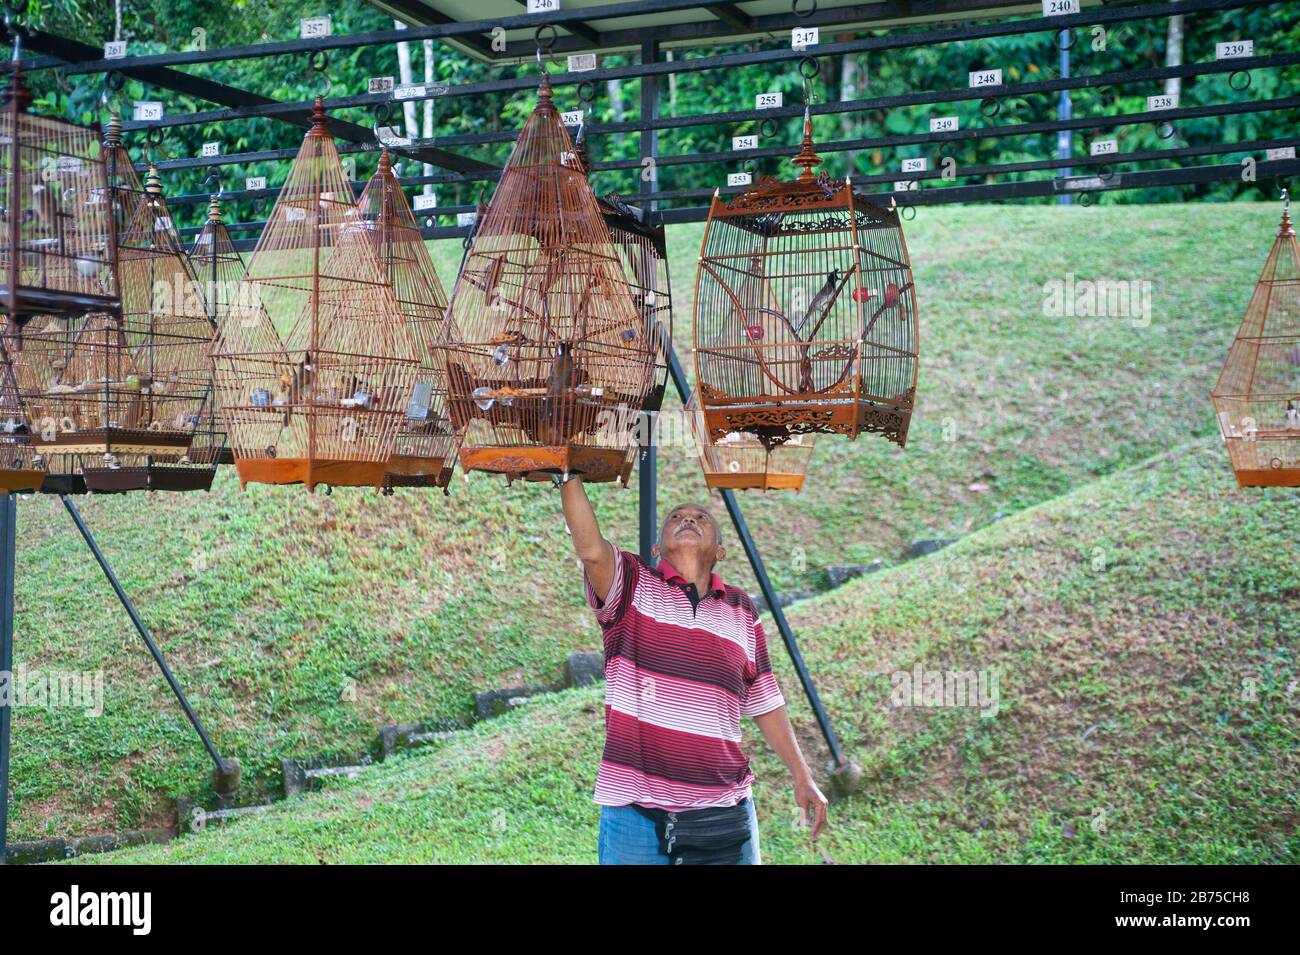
point(408, 92)
point(390, 136)
point(295, 213)
point(769, 100)
point(916, 165)
point(582, 62)
point(572, 118)
point(1085, 183)
point(425, 200)
point(68, 165)
point(1163, 101)
point(379, 84)
point(1233, 49)
point(1281, 152)
point(211, 149)
point(567, 157)
point(907, 185)
point(312, 27)
point(803, 37)
point(739, 179)
point(147, 112)
point(943, 124)
point(1103, 147)
point(1059, 8)
point(465, 219)
point(255, 182)
point(744, 142)
point(115, 50)
point(543, 6)
point(982, 78)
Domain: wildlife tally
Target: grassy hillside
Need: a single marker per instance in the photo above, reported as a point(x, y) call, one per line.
point(1124, 621)
point(301, 623)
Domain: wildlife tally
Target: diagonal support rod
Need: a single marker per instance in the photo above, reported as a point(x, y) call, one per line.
point(769, 592)
point(221, 765)
point(8, 517)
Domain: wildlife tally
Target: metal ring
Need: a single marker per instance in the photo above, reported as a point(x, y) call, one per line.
point(749, 166)
point(794, 8)
point(587, 91)
point(1168, 135)
point(1232, 77)
point(214, 177)
point(816, 67)
point(1068, 32)
point(383, 113)
point(466, 242)
point(153, 136)
point(318, 60)
point(537, 37)
point(984, 107)
point(1085, 200)
point(428, 222)
point(767, 128)
point(114, 81)
point(903, 213)
point(1105, 173)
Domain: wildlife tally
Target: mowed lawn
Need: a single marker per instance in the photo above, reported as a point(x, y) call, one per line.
point(1143, 632)
point(299, 624)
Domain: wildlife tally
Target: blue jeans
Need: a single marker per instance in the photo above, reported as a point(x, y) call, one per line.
point(628, 838)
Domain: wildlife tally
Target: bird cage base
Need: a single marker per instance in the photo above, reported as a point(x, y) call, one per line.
point(804, 416)
point(20, 480)
point(595, 465)
point(153, 477)
point(214, 456)
point(407, 470)
point(310, 471)
point(726, 480)
point(61, 484)
point(28, 302)
point(1268, 477)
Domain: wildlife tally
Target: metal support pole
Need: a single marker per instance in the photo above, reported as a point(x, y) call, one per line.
point(222, 767)
point(769, 592)
point(8, 517)
point(1064, 112)
point(648, 464)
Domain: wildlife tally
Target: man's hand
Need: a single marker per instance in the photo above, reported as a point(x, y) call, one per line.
point(813, 804)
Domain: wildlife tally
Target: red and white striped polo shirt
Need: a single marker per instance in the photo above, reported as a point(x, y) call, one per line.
point(677, 682)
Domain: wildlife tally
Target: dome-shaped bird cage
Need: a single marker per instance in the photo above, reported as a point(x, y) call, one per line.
point(123, 393)
point(1258, 394)
point(314, 364)
point(805, 312)
point(425, 453)
point(553, 363)
point(219, 268)
point(740, 461)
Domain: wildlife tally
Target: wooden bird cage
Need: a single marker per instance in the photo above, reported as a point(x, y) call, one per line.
point(219, 268)
point(19, 470)
point(1258, 394)
point(425, 453)
point(554, 363)
point(740, 461)
point(315, 365)
point(805, 312)
point(118, 396)
point(56, 254)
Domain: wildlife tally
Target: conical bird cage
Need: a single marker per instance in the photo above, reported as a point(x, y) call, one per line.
point(740, 461)
point(56, 254)
point(805, 312)
point(123, 393)
point(219, 268)
point(643, 253)
point(426, 444)
point(554, 362)
point(123, 182)
point(1258, 394)
point(315, 365)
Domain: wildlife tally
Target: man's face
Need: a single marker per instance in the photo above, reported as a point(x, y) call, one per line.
point(690, 529)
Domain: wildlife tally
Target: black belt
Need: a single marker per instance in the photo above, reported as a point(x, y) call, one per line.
point(712, 836)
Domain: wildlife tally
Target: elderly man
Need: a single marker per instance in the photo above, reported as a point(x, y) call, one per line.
point(685, 659)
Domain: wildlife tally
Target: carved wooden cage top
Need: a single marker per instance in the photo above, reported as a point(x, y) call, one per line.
point(554, 362)
point(314, 364)
point(805, 311)
point(1257, 397)
point(56, 252)
point(425, 452)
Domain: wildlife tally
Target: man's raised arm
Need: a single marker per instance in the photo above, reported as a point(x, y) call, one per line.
point(596, 553)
